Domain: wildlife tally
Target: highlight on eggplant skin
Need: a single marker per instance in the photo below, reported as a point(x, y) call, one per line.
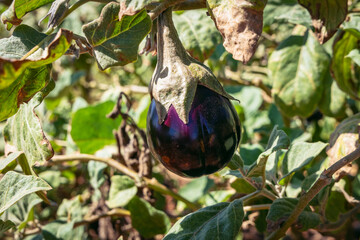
point(205, 144)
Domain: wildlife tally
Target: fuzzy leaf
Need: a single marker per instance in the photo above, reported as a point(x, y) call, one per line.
point(344, 69)
point(9, 161)
point(220, 221)
point(240, 24)
point(327, 15)
point(281, 209)
point(333, 101)
point(18, 9)
point(116, 42)
point(91, 130)
point(197, 33)
point(298, 68)
point(23, 132)
point(196, 188)
point(21, 79)
point(146, 219)
point(122, 190)
point(14, 186)
point(22, 212)
point(299, 155)
point(278, 140)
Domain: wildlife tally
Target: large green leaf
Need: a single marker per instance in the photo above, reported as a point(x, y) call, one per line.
point(116, 42)
point(21, 79)
point(22, 212)
point(23, 132)
point(91, 130)
point(298, 68)
point(197, 33)
point(278, 140)
point(122, 190)
point(345, 71)
point(14, 186)
point(281, 209)
point(18, 9)
point(219, 221)
point(299, 155)
point(240, 24)
point(333, 101)
point(327, 15)
point(146, 219)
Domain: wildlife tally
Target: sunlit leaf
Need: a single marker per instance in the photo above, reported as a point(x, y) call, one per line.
point(14, 186)
point(116, 42)
point(298, 68)
point(122, 190)
point(240, 24)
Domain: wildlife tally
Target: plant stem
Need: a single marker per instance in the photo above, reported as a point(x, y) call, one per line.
point(266, 193)
point(94, 218)
point(257, 207)
point(324, 180)
point(151, 183)
point(162, 7)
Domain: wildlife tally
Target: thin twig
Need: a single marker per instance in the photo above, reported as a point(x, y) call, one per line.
point(151, 183)
point(257, 207)
point(94, 218)
point(162, 7)
point(324, 180)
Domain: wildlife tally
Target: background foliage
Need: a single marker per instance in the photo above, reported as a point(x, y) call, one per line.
point(71, 170)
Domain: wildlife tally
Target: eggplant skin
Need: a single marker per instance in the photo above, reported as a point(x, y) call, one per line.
point(205, 144)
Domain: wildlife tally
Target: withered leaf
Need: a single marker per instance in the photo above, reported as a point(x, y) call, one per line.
point(240, 23)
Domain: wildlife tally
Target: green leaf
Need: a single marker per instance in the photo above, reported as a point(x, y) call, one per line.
point(299, 155)
point(14, 186)
point(222, 220)
point(215, 197)
point(345, 71)
point(21, 79)
point(242, 33)
point(4, 226)
point(278, 140)
point(18, 9)
point(333, 101)
point(196, 188)
point(296, 15)
point(22, 212)
point(71, 210)
point(327, 15)
point(9, 163)
point(335, 205)
point(271, 168)
point(91, 130)
point(97, 177)
point(281, 209)
point(53, 178)
point(146, 219)
point(23, 132)
point(242, 186)
point(236, 162)
point(122, 190)
point(116, 41)
point(197, 33)
point(298, 68)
